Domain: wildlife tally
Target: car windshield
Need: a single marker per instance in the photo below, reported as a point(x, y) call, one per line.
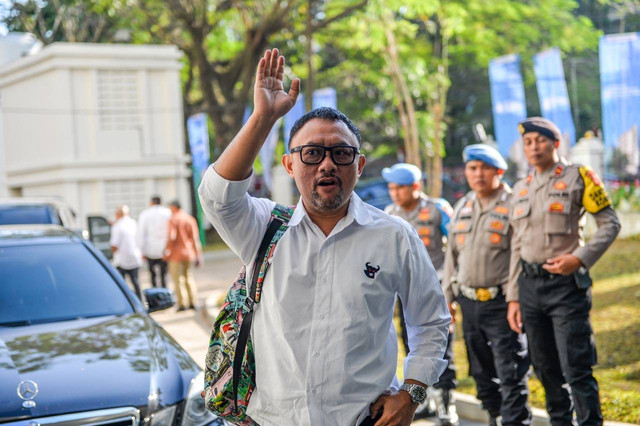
point(24, 214)
point(55, 282)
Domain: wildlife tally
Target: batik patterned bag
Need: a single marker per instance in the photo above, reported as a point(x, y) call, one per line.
point(230, 364)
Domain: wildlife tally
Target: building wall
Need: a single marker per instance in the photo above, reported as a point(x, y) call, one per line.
point(99, 125)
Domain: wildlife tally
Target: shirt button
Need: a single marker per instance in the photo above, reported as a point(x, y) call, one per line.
point(317, 354)
point(322, 316)
point(314, 391)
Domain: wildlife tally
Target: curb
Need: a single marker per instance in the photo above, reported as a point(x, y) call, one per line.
point(468, 406)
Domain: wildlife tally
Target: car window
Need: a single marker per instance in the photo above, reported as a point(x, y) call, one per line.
point(19, 215)
point(55, 282)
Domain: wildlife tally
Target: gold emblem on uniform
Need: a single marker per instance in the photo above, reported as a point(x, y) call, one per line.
point(460, 239)
point(529, 179)
point(426, 241)
point(523, 192)
point(424, 231)
point(461, 225)
point(483, 294)
point(497, 225)
point(495, 238)
point(519, 211)
point(521, 128)
point(560, 185)
point(556, 207)
point(502, 210)
point(558, 171)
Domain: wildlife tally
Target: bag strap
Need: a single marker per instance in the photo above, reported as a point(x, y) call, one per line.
point(280, 216)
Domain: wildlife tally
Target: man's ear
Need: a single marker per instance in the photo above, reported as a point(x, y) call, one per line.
point(361, 162)
point(288, 164)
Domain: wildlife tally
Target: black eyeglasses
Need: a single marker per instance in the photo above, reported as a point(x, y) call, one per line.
point(342, 155)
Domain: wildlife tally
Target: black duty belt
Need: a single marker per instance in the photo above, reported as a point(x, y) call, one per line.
point(534, 270)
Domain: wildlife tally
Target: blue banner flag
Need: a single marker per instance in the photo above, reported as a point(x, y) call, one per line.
point(552, 93)
point(325, 97)
point(507, 100)
point(199, 142)
point(620, 89)
point(291, 117)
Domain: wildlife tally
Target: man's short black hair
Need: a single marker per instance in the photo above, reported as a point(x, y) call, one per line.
point(324, 113)
point(156, 199)
point(176, 204)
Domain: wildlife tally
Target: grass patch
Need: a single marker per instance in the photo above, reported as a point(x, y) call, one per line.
point(615, 317)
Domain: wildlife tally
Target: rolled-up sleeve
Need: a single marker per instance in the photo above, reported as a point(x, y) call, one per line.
point(239, 219)
point(426, 314)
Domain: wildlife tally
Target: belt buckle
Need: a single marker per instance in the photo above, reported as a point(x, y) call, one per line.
point(483, 294)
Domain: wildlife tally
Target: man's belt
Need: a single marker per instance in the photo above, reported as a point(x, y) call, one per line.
point(533, 270)
point(480, 294)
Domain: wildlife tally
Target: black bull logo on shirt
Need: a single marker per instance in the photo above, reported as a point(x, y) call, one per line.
point(371, 271)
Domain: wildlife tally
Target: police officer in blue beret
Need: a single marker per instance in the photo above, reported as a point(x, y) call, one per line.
point(430, 217)
point(476, 271)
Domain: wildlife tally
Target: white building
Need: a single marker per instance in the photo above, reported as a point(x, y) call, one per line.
point(96, 124)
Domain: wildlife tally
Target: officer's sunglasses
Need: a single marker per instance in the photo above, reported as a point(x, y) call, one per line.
point(342, 155)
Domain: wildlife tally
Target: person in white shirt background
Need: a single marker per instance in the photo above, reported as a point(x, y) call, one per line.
point(126, 254)
point(153, 225)
point(325, 347)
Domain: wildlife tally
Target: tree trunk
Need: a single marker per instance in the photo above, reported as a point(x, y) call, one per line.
point(412, 144)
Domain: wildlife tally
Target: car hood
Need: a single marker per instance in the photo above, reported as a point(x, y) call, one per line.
point(91, 364)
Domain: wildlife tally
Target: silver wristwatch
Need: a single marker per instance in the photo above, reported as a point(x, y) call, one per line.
point(418, 393)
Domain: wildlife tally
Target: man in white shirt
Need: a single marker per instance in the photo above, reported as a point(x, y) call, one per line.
point(325, 347)
point(153, 225)
point(126, 254)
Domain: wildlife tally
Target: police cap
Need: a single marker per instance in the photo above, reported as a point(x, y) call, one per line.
point(402, 174)
point(541, 125)
point(485, 153)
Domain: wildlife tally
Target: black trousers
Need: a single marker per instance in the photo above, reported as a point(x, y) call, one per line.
point(161, 265)
point(133, 276)
point(555, 314)
point(498, 359)
point(447, 379)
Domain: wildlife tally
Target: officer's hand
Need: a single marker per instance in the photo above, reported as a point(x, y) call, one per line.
point(565, 264)
point(514, 317)
point(452, 311)
point(397, 409)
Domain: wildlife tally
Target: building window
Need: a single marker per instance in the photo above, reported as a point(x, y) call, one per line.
point(129, 192)
point(118, 100)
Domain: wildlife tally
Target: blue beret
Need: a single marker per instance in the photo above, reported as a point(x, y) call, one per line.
point(485, 153)
point(402, 174)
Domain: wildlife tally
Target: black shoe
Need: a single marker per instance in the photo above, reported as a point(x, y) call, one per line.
point(192, 307)
point(181, 308)
point(493, 421)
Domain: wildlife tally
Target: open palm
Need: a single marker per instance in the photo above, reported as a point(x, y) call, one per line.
point(269, 97)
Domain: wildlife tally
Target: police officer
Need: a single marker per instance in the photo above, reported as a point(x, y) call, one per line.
point(548, 290)
point(430, 217)
point(476, 271)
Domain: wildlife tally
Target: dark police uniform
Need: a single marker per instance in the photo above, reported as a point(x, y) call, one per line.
point(475, 271)
point(547, 217)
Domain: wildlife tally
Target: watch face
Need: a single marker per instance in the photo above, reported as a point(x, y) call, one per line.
point(418, 393)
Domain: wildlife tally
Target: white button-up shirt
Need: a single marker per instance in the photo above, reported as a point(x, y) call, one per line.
point(153, 229)
point(123, 237)
point(325, 347)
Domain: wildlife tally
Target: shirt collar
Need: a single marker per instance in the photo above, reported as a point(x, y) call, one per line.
point(357, 211)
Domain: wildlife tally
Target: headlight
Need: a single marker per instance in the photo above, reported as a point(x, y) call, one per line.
point(163, 417)
point(195, 412)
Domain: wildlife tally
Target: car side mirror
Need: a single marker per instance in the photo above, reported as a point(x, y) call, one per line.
point(159, 299)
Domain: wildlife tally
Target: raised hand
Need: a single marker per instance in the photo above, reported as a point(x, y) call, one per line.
point(270, 99)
